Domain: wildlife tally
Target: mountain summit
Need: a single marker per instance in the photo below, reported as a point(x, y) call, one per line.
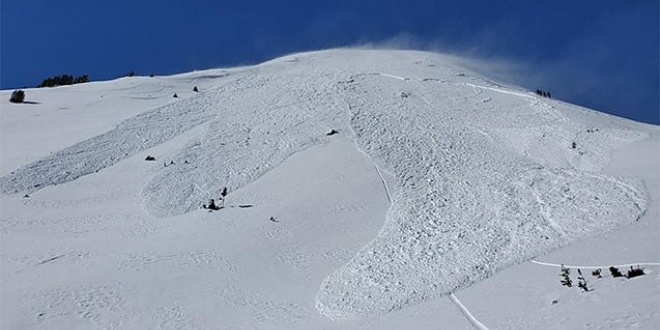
point(480, 175)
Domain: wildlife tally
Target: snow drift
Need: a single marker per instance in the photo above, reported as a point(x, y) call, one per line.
point(485, 175)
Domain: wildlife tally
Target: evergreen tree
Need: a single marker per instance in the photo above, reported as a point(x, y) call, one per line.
point(565, 277)
point(582, 283)
point(17, 96)
point(81, 79)
point(615, 272)
point(634, 272)
point(61, 80)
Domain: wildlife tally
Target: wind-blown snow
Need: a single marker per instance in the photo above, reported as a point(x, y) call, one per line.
point(485, 175)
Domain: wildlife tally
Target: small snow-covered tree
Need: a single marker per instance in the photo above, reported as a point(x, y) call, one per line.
point(582, 283)
point(223, 195)
point(615, 272)
point(17, 96)
point(634, 272)
point(565, 277)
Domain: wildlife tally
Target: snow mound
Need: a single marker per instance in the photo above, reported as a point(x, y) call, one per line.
point(486, 175)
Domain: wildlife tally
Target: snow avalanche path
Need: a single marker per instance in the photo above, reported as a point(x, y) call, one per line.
point(475, 193)
point(133, 135)
point(255, 131)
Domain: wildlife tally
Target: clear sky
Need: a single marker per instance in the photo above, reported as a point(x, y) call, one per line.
point(601, 54)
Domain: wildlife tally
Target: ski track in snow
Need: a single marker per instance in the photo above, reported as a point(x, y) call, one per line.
point(485, 177)
point(478, 325)
point(596, 267)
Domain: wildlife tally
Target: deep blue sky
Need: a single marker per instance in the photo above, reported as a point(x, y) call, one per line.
point(601, 54)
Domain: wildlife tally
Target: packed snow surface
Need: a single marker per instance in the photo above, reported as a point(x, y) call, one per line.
point(483, 175)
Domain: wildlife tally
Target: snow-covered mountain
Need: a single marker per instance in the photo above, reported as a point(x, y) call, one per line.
point(439, 183)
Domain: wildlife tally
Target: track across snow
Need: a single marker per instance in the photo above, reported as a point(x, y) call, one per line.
point(478, 325)
point(596, 267)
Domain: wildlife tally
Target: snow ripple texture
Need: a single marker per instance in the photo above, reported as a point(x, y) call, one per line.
point(486, 176)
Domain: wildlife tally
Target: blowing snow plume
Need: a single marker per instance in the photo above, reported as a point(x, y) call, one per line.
point(486, 175)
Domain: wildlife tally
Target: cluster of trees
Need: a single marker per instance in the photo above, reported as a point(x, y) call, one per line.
point(543, 93)
point(632, 272)
point(566, 279)
point(65, 79)
point(582, 283)
point(213, 207)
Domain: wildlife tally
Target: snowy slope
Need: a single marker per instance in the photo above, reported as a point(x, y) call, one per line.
point(438, 179)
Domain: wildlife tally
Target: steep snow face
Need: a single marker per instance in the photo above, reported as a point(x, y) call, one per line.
point(486, 175)
point(254, 129)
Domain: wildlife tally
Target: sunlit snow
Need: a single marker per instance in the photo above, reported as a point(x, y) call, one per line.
point(481, 176)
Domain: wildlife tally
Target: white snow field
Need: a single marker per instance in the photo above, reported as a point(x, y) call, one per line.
point(445, 201)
